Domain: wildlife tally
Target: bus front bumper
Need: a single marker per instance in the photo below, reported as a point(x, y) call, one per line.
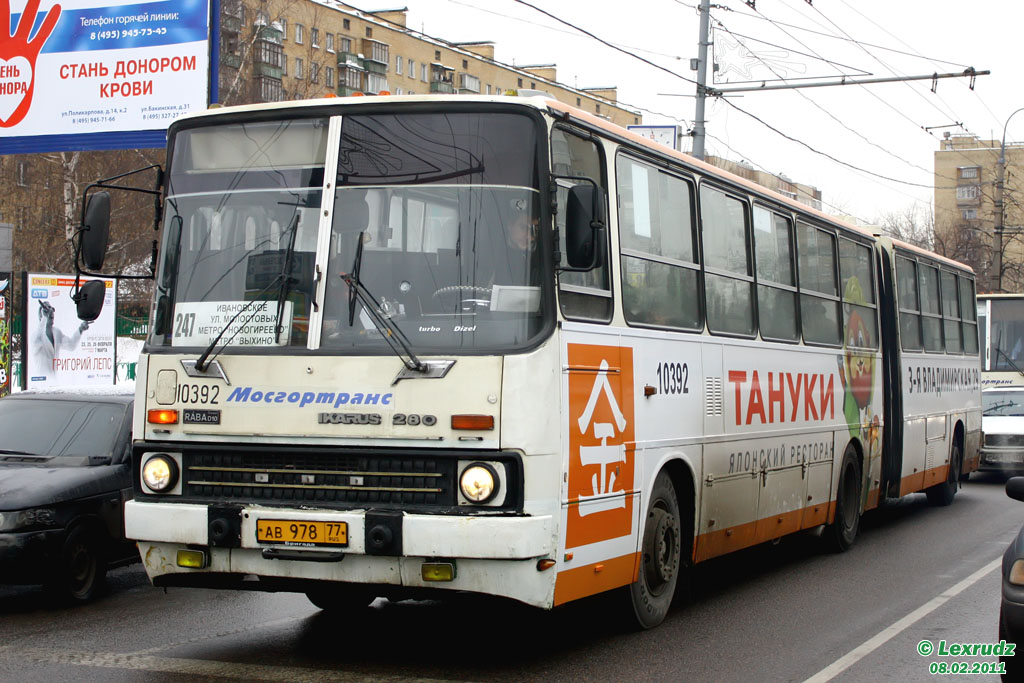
point(496, 555)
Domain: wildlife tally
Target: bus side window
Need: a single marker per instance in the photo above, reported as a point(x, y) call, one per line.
point(859, 319)
point(969, 311)
point(931, 313)
point(819, 293)
point(951, 313)
point(910, 309)
point(587, 295)
point(657, 244)
point(776, 276)
point(728, 277)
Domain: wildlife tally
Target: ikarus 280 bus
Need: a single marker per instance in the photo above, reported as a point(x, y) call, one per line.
point(498, 345)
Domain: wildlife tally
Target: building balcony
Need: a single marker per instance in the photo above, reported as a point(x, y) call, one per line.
point(375, 67)
point(230, 24)
point(268, 70)
point(441, 87)
point(231, 61)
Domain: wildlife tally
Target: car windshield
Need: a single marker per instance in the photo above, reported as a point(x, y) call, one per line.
point(437, 213)
point(60, 427)
point(1003, 403)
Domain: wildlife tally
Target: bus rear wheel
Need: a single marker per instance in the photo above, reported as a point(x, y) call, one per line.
point(661, 556)
point(841, 534)
point(942, 494)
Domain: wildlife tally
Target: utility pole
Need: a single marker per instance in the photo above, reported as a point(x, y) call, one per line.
point(702, 78)
point(703, 91)
point(997, 207)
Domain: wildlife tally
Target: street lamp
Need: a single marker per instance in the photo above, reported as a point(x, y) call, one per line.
point(997, 231)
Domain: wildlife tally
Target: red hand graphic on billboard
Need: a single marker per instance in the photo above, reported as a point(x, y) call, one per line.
point(18, 55)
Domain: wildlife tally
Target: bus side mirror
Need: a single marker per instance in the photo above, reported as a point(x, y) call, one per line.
point(89, 300)
point(96, 232)
point(584, 219)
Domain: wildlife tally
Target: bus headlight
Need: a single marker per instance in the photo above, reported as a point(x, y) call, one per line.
point(479, 483)
point(160, 473)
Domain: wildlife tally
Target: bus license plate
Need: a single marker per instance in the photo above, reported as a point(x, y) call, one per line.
point(301, 533)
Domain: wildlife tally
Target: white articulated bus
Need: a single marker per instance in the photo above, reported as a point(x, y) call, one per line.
point(499, 345)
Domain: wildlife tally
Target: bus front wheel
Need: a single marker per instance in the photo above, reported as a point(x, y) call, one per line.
point(661, 556)
point(841, 534)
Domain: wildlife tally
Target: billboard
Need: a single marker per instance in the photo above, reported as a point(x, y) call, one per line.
point(59, 349)
point(100, 74)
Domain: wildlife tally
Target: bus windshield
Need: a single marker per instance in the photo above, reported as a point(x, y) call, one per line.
point(1007, 335)
point(436, 213)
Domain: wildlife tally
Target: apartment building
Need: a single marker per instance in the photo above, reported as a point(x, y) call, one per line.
point(272, 50)
point(966, 169)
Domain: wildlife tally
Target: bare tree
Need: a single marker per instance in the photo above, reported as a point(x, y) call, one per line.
point(914, 225)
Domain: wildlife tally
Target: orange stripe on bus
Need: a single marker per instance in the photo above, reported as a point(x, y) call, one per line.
point(591, 579)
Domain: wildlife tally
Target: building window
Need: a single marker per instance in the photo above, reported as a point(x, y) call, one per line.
point(298, 34)
point(465, 63)
point(533, 86)
point(329, 77)
point(269, 89)
point(488, 88)
point(437, 55)
point(298, 67)
point(314, 72)
point(346, 24)
point(369, 32)
point(22, 174)
point(425, 73)
point(284, 68)
point(398, 91)
point(376, 82)
point(967, 192)
point(345, 44)
point(261, 19)
point(398, 64)
point(330, 42)
point(412, 69)
point(519, 82)
point(315, 37)
point(969, 214)
point(284, 28)
point(577, 101)
point(968, 172)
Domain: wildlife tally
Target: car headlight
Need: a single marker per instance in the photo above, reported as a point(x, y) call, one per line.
point(15, 520)
point(160, 473)
point(1017, 573)
point(479, 482)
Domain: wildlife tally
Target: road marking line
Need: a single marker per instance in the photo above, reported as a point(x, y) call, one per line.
point(193, 667)
point(872, 644)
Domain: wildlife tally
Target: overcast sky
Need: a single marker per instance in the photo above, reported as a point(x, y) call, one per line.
point(878, 129)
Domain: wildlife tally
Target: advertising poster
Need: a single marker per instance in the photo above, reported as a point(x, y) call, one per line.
point(79, 67)
point(58, 348)
point(5, 334)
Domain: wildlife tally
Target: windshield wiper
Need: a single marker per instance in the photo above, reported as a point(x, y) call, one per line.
point(998, 406)
point(287, 276)
point(202, 363)
point(391, 333)
point(1009, 360)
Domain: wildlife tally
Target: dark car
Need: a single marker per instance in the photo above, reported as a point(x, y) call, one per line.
point(1011, 608)
point(65, 473)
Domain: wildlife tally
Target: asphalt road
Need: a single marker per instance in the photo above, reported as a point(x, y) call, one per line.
point(784, 612)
